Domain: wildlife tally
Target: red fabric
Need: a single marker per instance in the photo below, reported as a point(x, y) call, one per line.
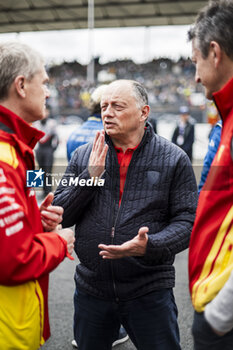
point(216, 198)
point(26, 253)
point(124, 160)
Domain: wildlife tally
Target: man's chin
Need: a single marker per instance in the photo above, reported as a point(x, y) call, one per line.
point(208, 95)
point(109, 132)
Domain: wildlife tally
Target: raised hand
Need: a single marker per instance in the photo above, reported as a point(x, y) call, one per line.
point(98, 154)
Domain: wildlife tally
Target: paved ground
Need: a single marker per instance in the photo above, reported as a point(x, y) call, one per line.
point(61, 306)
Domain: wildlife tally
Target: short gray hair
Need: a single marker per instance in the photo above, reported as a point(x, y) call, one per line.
point(214, 23)
point(17, 59)
point(140, 94)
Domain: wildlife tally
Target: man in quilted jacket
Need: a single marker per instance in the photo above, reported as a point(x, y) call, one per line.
point(130, 223)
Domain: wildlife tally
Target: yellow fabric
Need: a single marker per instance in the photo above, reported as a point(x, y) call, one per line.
point(217, 268)
point(21, 317)
point(220, 152)
point(8, 154)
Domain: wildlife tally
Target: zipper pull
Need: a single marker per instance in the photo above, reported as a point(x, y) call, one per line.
point(113, 232)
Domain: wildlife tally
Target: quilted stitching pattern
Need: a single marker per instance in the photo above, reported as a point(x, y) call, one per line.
point(160, 192)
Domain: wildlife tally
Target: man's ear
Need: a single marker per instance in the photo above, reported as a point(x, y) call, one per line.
point(19, 83)
point(216, 52)
point(145, 113)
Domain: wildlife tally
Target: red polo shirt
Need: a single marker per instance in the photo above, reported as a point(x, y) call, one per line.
point(124, 160)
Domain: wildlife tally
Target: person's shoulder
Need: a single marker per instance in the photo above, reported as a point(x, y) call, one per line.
point(170, 155)
point(218, 125)
point(216, 130)
point(93, 123)
point(191, 122)
point(8, 149)
point(82, 151)
point(75, 133)
point(8, 154)
point(167, 146)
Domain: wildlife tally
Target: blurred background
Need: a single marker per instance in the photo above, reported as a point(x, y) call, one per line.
point(104, 41)
point(87, 43)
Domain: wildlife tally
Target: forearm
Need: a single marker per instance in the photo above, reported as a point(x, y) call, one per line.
point(74, 198)
point(170, 241)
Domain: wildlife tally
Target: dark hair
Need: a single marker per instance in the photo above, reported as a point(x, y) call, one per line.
point(214, 23)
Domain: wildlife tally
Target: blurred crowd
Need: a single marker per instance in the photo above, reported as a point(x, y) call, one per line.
point(169, 83)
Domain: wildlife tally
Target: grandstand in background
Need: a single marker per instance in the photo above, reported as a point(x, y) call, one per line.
point(169, 84)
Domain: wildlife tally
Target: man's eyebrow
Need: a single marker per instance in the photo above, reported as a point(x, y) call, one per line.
point(118, 102)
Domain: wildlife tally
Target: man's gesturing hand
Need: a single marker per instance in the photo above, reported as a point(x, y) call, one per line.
point(134, 247)
point(98, 154)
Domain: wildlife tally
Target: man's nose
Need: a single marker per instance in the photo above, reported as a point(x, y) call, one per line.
point(47, 92)
point(108, 112)
point(197, 77)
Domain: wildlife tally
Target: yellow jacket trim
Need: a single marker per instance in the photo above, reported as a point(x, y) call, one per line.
point(217, 267)
point(8, 154)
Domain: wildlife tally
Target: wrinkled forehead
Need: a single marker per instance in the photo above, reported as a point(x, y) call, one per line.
point(122, 91)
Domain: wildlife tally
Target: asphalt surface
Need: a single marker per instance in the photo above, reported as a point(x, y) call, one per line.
point(61, 306)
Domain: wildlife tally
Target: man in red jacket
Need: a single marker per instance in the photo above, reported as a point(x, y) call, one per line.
point(31, 244)
point(211, 245)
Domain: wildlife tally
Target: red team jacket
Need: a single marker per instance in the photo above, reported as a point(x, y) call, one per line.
point(27, 254)
point(211, 245)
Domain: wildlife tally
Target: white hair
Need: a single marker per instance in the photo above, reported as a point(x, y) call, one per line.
point(17, 59)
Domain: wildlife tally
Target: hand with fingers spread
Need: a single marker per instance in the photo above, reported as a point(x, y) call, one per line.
point(98, 154)
point(134, 247)
point(51, 215)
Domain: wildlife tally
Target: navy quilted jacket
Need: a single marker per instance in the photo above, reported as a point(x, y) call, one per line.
point(159, 192)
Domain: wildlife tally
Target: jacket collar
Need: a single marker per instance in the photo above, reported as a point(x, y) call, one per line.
point(16, 125)
point(224, 99)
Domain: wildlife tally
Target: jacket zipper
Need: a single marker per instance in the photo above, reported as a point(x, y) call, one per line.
point(112, 239)
point(112, 242)
point(114, 225)
point(113, 279)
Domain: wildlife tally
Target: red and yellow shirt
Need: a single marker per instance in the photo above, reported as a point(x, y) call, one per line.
point(211, 245)
point(27, 254)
